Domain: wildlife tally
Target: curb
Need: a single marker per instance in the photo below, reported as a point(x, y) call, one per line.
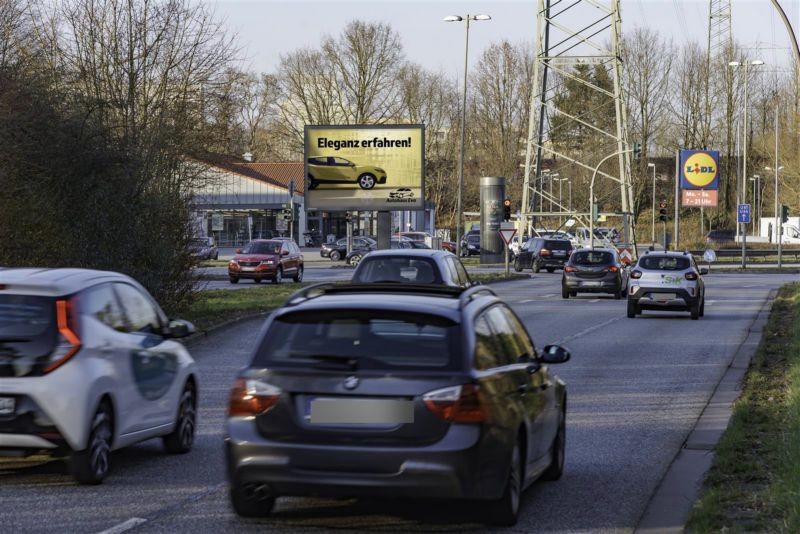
point(669, 506)
point(204, 334)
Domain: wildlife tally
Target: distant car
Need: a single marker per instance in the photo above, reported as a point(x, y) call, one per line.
point(471, 245)
point(515, 244)
point(541, 253)
point(267, 259)
point(357, 253)
point(403, 192)
point(203, 248)
point(88, 365)
point(420, 237)
point(335, 170)
point(721, 237)
point(596, 270)
point(449, 246)
point(412, 267)
point(667, 281)
point(387, 390)
point(338, 250)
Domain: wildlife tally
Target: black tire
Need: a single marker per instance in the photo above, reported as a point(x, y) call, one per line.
point(181, 439)
point(631, 309)
point(694, 311)
point(278, 278)
point(248, 503)
point(234, 279)
point(92, 465)
point(573, 293)
point(366, 181)
point(564, 292)
point(536, 267)
point(216, 255)
point(557, 452)
point(298, 276)
point(517, 266)
point(703, 307)
point(504, 512)
point(619, 294)
point(551, 269)
point(336, 255)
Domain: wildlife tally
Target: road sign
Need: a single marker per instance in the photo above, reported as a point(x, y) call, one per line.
point(507, 234)
point(744, 213)
point(625, 256)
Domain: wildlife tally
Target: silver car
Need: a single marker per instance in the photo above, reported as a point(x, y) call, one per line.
point(88, 364)
point(667, 281)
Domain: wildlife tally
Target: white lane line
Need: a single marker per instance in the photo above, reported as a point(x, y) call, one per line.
point(710, 302)
point(595, 300)
point(526, 300)
point(125, 526)
point(551, 295)
point(587, 331)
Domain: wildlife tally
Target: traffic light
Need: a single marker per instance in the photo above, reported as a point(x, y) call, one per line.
point(637, 151)
point(662, 211)
point(784, 213)
point(507, 209)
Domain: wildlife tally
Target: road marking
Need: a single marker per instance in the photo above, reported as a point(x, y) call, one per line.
point(587, 331)
point(526, 300)
point(710, 302)
point(595, 300)
point(125, 526)
point(550, 295)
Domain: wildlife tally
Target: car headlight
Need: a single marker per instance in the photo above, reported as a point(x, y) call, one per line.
point(234, 262)
point(268, 262)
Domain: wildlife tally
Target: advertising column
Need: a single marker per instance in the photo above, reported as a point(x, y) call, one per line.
point(493, 193)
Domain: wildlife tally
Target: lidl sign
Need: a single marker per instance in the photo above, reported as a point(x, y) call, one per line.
point(699, 169)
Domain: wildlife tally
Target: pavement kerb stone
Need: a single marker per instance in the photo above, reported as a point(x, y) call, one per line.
point(670, 504)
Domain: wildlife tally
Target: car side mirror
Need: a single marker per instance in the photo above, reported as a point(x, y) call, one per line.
point(284, 253)
point(554, 354)
point(238, 251)
point(179, 328)
point(703, 270)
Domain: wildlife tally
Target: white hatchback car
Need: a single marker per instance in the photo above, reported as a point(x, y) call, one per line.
point(88, 365)
point(667, 281)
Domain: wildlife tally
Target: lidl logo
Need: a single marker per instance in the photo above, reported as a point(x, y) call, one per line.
point(699, 169)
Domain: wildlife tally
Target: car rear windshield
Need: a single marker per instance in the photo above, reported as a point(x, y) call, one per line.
point(397, 269)
point(27, 333)
point(665, 263)
point(473, 238)
point(557, 245)
point(265, 247)
point(593, 257)
point(360, 339)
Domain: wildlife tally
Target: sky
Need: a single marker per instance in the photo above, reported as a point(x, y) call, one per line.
point(269, 28)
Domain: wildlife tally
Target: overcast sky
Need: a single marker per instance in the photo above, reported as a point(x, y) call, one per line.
point(269, 28)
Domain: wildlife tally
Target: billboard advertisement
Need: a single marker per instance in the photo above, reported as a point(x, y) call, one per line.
point(699, 169)
point(365, 167)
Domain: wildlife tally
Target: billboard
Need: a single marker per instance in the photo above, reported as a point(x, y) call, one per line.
point(365, 167)
point(699, 169)
point(699, 198)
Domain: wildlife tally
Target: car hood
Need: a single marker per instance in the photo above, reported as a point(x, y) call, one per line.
point(256, 257)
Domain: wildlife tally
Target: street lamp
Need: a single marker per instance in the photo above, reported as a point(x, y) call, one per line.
point(458, 18)
point(653, 233)
point(756, 179)
point(777, 215)
point(560, 198)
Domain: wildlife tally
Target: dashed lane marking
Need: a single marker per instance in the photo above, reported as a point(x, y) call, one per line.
point(125, 526)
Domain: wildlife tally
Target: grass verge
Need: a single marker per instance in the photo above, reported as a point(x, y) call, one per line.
point(754, 484)
point(490, 278)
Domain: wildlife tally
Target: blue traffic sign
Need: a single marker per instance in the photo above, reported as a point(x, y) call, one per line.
point(744, 213)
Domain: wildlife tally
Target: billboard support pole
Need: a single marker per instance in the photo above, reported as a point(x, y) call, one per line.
point(384, 230)
point(675, 242)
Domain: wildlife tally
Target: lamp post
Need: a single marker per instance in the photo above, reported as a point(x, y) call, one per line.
point(460, 215)
point(756, 179)
point(653, 232)
point(560, 200)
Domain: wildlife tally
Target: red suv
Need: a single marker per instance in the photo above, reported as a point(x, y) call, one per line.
point(267, 259)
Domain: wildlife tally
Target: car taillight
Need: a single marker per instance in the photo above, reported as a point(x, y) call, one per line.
point(458, 404)
point(636, 274)
point(613, 269)
point(690, 276)
point(69, 343)
point(569, 269)
point(251, 397)
point(544, 252)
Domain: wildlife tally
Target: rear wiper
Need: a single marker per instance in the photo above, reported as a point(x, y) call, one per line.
point(340, 359)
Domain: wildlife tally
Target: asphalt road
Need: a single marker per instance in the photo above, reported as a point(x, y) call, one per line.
point(636, 388)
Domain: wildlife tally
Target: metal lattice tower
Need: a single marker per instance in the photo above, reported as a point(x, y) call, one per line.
point(568, 34)
point(720, 35)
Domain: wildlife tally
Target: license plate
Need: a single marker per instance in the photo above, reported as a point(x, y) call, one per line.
point(248, 268)
point(329, 411)
point(664, 296)
point(591, 284)
point(559, 253)
point(7, 405)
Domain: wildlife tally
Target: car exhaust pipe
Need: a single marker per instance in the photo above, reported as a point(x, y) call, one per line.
point(257, 492)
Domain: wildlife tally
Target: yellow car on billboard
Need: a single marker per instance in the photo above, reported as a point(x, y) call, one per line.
point(335, 170)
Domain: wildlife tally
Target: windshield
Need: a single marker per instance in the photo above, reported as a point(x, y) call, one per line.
point(473, 239)
point(665, 263)
point(397, 269)
point(592, 258)
point(374, 339)
point(558, 245)
point(263, 247)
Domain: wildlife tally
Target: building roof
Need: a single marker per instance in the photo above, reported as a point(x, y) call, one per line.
point(278, 174)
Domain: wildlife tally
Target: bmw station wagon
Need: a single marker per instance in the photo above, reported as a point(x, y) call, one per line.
point(395, 391)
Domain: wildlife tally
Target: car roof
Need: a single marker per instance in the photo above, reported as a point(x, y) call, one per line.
point(56, 282)
point(670, 253)
point(596, 249)
point(415, 252)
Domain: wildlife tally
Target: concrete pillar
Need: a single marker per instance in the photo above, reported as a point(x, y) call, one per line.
point(384, 230)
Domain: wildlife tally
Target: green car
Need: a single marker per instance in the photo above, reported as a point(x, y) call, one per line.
point(331, 170)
